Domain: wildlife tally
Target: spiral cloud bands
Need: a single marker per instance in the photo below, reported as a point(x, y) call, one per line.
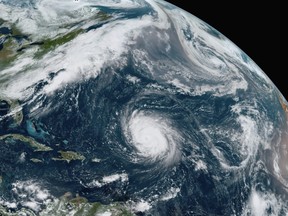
point(152, 137)
point(146, 93)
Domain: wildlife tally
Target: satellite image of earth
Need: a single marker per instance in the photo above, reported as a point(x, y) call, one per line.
point(133, 107)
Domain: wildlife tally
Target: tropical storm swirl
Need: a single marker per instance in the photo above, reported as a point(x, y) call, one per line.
point(151, 134)
point(133, 107)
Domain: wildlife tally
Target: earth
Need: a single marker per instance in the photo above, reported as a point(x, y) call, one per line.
point(133, 107)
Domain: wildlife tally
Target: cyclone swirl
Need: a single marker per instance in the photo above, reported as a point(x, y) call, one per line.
point(152, 137)
point(115, 107)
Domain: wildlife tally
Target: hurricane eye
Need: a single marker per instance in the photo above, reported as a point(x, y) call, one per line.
point(152, 137)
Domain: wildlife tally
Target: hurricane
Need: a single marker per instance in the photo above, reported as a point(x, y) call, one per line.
point(134, 107)
point(151, 134)
point(152, 137)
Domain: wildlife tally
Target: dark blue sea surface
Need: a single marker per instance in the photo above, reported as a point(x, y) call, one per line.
point(85, 118)
point(5, 30)
point(219, 164)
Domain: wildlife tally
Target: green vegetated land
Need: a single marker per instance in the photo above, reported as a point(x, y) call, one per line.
point(74, 206)
point(51, 43)
point(38, 147)
point(12, 48)
point(9, 52)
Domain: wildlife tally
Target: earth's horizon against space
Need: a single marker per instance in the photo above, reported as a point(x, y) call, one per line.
point(133, 107)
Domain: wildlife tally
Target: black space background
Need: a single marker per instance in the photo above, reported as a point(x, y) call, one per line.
point(257, 29)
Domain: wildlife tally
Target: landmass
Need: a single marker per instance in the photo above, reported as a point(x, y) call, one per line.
point(35, 160)
point(14, 109)
point(38, 147)
point(284, 104)
point(74, 206)
point(48, 45)
point(11, 47)
point(10, 43)
point(69, 156)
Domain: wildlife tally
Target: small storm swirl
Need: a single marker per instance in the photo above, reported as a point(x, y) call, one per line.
point(152, 137)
